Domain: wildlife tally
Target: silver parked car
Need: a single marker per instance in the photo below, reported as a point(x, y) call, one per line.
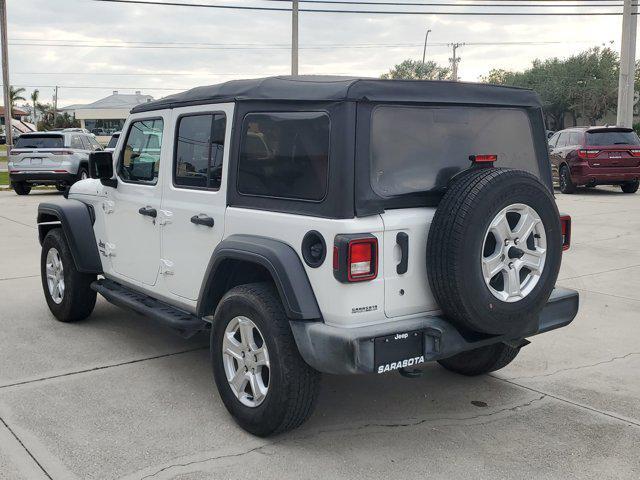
point(50, 158)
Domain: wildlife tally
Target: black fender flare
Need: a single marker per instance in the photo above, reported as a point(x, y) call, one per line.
point(278, 258)
point(76, 219)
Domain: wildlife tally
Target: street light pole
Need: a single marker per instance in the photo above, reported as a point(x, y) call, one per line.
point(5, 77)
point(294, 37)
point(627, 64)
point(424, 51)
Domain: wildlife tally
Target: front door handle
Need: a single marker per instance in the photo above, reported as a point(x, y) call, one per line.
point(202, 219)
point(148, 212)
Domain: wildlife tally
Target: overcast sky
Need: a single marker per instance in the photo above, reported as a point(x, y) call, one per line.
point(268, 35)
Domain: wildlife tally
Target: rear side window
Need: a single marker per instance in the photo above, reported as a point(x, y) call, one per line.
point(76, 142)
point(140, 157)
point(199, 151)
point(39, 141)
point(418, 149)
point(285, 155)
point(612, 138)
point(575, 139)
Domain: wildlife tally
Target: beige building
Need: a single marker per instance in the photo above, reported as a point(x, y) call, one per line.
point(107, 115)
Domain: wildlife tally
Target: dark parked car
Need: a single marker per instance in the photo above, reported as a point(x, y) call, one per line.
point(593, 156)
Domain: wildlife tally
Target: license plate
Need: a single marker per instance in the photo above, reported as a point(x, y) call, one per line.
point(615, 155)
point(36, 161)
point(400, 350)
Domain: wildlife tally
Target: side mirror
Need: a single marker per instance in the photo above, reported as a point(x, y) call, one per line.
point(101, 168)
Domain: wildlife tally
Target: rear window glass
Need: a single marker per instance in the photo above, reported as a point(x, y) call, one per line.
point(417, 149)
point(285, 155)
point(39, 141)
point(612, 138)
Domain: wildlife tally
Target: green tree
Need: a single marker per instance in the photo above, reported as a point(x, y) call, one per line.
point(15, 94)
point(415, 70)
point(35, 96)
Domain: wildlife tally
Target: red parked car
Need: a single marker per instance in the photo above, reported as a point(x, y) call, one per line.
point(593, 156)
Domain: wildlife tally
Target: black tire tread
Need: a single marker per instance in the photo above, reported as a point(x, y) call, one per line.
point(304, 382)
point(630, 187)
point(21, 188)
point(79, 299)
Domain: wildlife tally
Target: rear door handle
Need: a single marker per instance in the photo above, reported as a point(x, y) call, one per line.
point(402, 239)
point(148, 212)
point(202, 219)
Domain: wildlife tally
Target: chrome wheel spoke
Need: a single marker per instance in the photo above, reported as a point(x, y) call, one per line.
point(55, 275)
point(245, 363)
point(493, 265)
point(501, 229)
point(511, 253)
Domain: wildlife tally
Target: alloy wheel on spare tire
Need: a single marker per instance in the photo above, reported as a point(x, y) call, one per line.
point(494, 250)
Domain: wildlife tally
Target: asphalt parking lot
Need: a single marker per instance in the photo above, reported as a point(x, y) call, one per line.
point(114, 397)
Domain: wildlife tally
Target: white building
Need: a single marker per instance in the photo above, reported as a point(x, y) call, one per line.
point(106, 116)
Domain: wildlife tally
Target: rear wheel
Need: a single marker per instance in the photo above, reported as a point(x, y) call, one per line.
point(67, 291)
point(22, 188)
point(61, 187)
point(481, 360)
point(630, 187)
point(261, 377)
point(566, 184)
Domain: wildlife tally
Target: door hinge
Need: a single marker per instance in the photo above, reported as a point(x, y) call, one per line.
point(108, 206)
point(166, 217)
point(166, 267)
point(108, 249)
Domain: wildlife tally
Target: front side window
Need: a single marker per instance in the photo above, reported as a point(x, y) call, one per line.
point(419, 149)
point(285, 155)
point(140, 157)
point(554, 140)
point(199, 151)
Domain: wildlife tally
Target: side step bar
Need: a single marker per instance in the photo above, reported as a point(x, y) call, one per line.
point(185, 323)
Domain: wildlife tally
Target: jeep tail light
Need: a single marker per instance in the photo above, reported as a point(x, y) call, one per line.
point(565, 224)
point(587, 154)
point(355, 258)
point(484, 158)
point(635, 153)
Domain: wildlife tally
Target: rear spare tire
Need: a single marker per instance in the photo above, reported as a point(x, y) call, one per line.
point(494, 251)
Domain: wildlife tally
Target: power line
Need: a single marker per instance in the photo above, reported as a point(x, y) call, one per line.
point(368, 12)
point(441, 4)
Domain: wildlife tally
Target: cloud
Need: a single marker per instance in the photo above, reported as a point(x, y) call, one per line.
point(102, 23)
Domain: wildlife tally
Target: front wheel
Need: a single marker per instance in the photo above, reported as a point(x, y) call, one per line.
point(67, 291)
point(261, 377)
point(481, 360)
point(630, 187)
point(83, 173)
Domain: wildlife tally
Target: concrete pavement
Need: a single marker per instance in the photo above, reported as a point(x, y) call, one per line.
point(116, 397)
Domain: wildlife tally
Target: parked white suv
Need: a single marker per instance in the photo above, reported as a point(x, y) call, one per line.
point(321, 224)
point(57, 158)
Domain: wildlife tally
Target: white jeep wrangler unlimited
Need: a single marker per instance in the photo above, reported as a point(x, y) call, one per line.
point(320, 224)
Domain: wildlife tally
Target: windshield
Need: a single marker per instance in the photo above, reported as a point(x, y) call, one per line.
point(40, 141)
point(113, 141)
point(419, 149)
point(615, 137)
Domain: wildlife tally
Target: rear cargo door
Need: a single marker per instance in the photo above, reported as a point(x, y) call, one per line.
point(406, 288)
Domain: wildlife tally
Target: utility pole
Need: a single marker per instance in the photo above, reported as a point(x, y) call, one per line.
point(455, 60)
point(55, 106)
point(424, 52)
point(5, 77)
point(294, 37)
point(627, 64)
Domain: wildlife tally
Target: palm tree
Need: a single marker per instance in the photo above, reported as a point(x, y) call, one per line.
point(35, 96)
point(15, 94)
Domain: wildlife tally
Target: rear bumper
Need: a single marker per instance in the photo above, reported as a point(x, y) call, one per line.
point(42, 177)
point(353, 350)
point(583, 174)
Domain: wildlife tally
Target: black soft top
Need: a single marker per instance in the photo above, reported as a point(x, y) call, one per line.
point(334, 89)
